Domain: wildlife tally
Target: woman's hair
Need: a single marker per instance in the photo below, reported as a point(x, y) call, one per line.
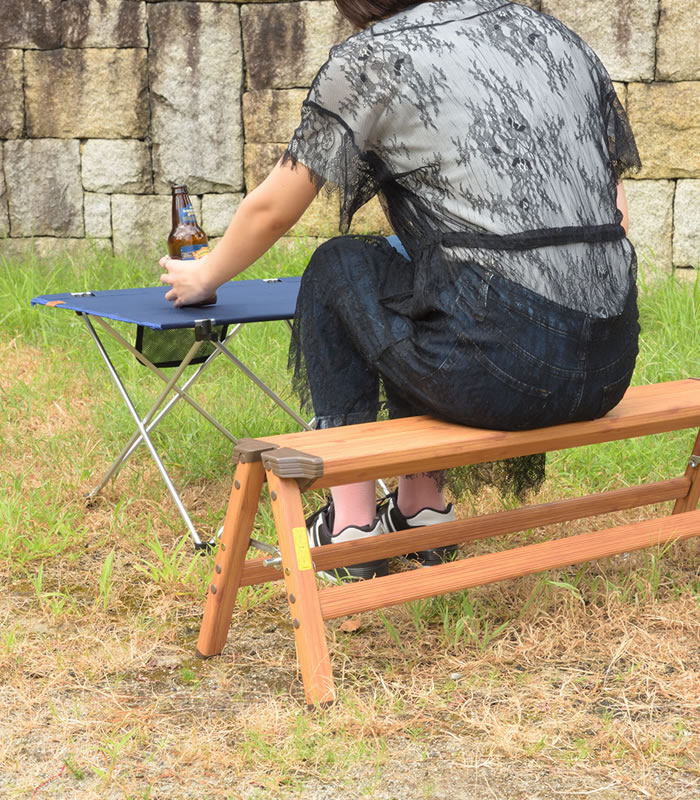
point(365, 12)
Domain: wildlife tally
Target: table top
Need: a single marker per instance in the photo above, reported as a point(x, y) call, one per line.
point(257, 300)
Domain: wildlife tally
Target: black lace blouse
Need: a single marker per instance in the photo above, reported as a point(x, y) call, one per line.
point(478, 116)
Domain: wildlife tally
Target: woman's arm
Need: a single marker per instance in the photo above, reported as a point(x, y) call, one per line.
point(622, 205)
point(267, 213)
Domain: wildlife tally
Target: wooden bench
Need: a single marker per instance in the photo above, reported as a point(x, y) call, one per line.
point(313, 459)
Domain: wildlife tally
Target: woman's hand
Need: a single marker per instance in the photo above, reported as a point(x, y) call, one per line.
point(187, 281)
point(264, 215)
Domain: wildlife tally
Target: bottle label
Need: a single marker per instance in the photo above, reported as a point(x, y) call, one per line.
point(193, 252)
point(187, 215)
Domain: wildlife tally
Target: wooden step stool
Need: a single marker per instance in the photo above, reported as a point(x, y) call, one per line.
point(316, 459)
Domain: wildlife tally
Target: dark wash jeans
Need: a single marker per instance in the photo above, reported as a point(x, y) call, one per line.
point(505, 358)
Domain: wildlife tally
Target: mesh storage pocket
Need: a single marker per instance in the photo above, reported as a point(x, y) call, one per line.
point(168, 348)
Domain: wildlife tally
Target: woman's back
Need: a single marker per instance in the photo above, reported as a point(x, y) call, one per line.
point(473, 115)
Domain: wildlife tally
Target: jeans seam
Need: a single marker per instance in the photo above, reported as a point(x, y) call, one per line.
point(577, 403)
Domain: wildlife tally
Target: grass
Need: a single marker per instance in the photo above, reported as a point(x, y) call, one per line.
point(576, 682)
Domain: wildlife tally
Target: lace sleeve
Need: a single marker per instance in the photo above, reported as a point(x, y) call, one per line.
point(340, 121)
point(624, 156)
point(326, 146)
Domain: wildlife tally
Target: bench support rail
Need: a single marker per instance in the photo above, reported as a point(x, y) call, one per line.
point(692, 473)
point(233, 546)
point(475, 528)
point(302, 594)
point(514, 563)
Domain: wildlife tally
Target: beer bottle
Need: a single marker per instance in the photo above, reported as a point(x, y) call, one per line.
point(187, 241)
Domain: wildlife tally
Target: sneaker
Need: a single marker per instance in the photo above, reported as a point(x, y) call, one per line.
point(319, 527)
point(393, 520)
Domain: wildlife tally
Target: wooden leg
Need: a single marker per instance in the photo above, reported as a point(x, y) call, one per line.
point(690, 501)
point(302, 594)
point(235, 540)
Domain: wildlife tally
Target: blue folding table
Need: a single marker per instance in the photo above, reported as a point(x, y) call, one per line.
point(178, 337)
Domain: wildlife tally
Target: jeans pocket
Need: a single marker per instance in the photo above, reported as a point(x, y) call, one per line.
point(471, 389)
point(515, 403)
point(612, 393)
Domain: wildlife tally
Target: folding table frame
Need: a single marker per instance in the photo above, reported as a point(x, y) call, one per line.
point(238, 303)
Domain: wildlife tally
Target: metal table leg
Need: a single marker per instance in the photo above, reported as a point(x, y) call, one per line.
point(142, 429)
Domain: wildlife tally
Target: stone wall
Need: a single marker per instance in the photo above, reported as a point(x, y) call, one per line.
point(106, 103)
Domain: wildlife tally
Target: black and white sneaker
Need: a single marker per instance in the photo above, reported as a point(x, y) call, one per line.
point(393, 520)
point(319, 527)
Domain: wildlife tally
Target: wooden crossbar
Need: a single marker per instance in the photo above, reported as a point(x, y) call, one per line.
point(295, 462)
point(475, 528)
point(513, 563)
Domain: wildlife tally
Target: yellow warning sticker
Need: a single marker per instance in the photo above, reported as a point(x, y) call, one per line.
point(301, 545)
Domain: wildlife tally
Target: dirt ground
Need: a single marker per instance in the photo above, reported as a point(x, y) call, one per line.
point(409, 724)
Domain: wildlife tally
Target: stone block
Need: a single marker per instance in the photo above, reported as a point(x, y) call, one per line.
point(686, 225)
point(48, 24)
point(116, 166)
point(622, 35)
point(322, 216)
point(650, 206)
point(98, 215)
point(31, 24)
point(44, 191)
point(259, 161)
point(217, 210)
point(11, 94)
point(195, 199)
point(196, 70)
point(93, 93)
point(371, 219)
point(4, 212)
point(286, 43)
point(140, 222)
point(47, 249)
point(665, 118)
point(621, 92)
point(689, 275)
point(104, 23)
point(320, 219)
point(272, 116)
point(678, 44)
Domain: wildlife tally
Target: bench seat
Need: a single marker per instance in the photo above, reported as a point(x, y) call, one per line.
point(295, 462)
point(420, 444)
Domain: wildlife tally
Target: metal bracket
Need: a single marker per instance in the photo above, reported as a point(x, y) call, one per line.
point(270, 549)
point(275, 561)
point(694, 461)
point(203, 330)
